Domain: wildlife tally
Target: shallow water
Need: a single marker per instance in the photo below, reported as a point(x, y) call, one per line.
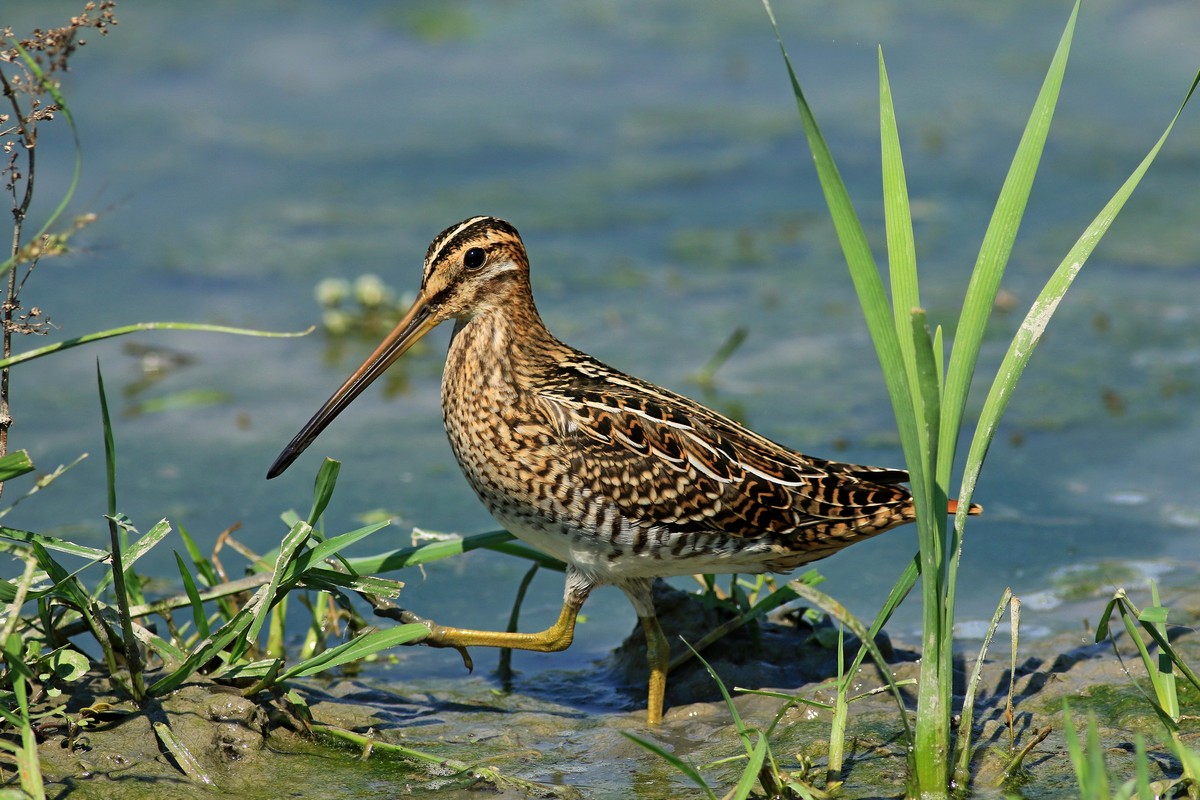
point(653, 160)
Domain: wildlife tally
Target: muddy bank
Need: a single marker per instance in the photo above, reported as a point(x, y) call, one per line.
point(560, 734)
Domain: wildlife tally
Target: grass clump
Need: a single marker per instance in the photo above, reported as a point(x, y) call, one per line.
point(929, 397)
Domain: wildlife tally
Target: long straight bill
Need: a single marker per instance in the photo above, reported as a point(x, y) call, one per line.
point(416, 323)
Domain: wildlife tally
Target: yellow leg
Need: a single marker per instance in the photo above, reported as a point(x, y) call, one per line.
point(658, 654)
point(557, 637)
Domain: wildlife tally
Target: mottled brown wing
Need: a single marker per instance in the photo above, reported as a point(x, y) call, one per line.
point(667, 460)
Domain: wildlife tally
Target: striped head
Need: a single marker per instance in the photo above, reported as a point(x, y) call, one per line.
point(470, 268)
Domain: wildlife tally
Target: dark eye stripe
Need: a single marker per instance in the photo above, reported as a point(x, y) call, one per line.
point(438, 245)
point(459, 236)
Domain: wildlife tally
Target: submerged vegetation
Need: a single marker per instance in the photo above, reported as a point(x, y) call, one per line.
point(75, 613)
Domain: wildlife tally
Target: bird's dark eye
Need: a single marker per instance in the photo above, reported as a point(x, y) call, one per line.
point(474, 258)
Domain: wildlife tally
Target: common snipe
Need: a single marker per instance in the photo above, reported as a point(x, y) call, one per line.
point(620, 479)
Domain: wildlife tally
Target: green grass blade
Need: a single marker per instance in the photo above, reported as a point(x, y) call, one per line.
point(331, 546)
point(330, 580)
point(1074, 750)
point(962, 742)
point(40, 352)
point(995, 250)
point(857, 251)
point(207, 572)
point(1030, 333)
point(519, 550)
point(1154, 620)
point(1190, 760)
point(297, 566)
point(65, 584)
point(675, 761)
point(29, 768)
point(15, 593)
point(199, 618)
point(743, 731)
point(1095, 754)
point(902, 253)
point(292, 542)
point(842, 615)
point(145, 543)
point(124, 590)
point(928, 495)
point(750, 774)
point(1142, 767)
point(504, 667)
point(208, 648)
point(900, 590)
point(323, 489)
point(168, 651)
point(1168, 651)
point(14, 465)
point(110, 449)
point(427, 553)
point(53, 543)
point(183, 758)
point(357, 648)
point(202, 564)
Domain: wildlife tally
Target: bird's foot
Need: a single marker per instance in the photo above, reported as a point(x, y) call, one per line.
point(437, 634)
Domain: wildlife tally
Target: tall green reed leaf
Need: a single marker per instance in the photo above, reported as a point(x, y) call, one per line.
point(1034, 325)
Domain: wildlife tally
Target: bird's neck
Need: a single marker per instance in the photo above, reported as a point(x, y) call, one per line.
point(496, 348)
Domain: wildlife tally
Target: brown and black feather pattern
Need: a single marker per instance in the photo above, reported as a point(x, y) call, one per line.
point(620, 479)
point(615, 475)
point(664, 460)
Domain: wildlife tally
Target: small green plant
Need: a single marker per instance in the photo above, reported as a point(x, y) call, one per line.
point(1092, 773)
point(1161, 668)
point(761, 769)
point(214, 630)
point(761, 763)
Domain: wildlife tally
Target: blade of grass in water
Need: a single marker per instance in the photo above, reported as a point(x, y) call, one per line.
point(326, 480)
point(857, 252)
point(208, 648)
point(199, 618)
point(39, 352)
point(962, 743)
point(426, 553)
point(133, 657)
point(1034, 325)
point(675, 761)
point(357, 648)
point(53, 543)
point(292, 542)
point(996, 247)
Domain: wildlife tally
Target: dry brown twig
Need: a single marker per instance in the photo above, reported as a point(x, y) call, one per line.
point(30, 70)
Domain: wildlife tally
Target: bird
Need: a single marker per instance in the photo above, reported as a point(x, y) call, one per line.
point(621, 480)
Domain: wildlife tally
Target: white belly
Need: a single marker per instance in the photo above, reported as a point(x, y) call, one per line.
point(605, 563)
